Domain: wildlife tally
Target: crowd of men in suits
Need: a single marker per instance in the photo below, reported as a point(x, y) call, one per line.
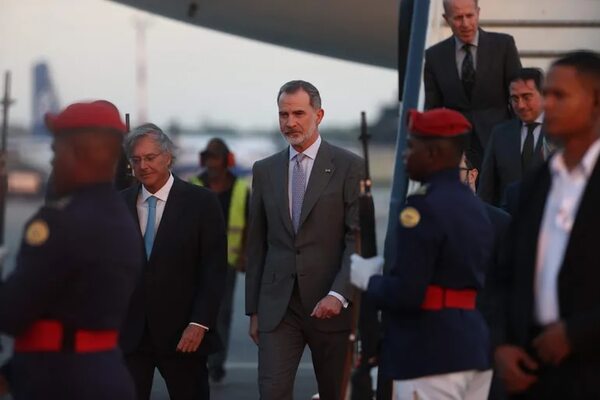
point(109, 287)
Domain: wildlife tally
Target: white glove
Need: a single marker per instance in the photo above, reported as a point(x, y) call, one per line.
point(362, 269)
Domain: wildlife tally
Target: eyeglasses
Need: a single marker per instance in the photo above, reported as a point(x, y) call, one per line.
point(147, 158)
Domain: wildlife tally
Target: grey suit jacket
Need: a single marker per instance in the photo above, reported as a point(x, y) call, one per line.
point(497, 62)
point(317, 257)
point(502, 161)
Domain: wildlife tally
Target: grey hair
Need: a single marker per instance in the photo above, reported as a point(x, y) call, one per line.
point(152, 131)
point(291, 87)
point(446, 4)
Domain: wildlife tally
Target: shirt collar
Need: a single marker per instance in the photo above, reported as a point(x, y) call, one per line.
point(538, 120)
point(460, 43)
point(586, 165)
point(162, 193)
point(310, 152)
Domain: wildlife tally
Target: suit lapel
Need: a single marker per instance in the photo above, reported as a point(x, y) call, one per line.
point(279, 173)
point(587, 207)
point(538, 153)
point(483, 60)
point(131, 196)
point(457, 87)
point(513, 137)
point(169, 221)
point(322, 171)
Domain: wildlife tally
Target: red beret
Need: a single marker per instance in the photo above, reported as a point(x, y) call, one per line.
point(97, 114)
point(439, 122)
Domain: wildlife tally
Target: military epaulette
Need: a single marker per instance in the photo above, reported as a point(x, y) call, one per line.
point(420, 191)
point(59, 204)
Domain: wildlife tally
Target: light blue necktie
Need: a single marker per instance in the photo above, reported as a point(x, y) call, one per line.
point(298, 187)
point(150, 224)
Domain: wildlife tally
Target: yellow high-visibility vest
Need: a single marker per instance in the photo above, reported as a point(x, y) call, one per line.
point(237, 218)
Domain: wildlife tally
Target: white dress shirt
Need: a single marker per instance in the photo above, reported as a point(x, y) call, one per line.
point(162, 195)
point(536, 132)
point(559, 215)
point(460, 53)
point(307, 164)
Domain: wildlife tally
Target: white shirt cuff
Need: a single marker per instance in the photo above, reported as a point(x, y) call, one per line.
point(338, 296)
point(200, 325)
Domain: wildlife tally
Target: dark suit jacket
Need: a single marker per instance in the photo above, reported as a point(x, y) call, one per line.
point(497, 62)
point(318, 256)
point(578, 294)
point(502, 161)
point(183, 280)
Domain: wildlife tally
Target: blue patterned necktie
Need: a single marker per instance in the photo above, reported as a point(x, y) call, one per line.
point(150, 224)
point(298, 187)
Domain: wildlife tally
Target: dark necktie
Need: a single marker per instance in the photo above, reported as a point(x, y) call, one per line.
point(468, 71)
point(298, 187)
point(527, 153)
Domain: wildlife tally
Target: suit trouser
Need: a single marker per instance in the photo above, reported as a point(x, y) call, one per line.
point(464, 385)
point(217, 360)
point(185, 375)
point(280, 351)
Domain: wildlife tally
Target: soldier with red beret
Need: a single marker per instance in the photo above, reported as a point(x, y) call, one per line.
point(436, 344)
point(76, 269)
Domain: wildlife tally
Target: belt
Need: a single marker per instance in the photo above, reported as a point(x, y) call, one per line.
point(439, 298)
point(51, 336)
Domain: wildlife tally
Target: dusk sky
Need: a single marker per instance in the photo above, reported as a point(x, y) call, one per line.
point(195, 75)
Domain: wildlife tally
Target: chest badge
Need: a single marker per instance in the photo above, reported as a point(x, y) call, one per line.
point(410, 217)
point(37, 233)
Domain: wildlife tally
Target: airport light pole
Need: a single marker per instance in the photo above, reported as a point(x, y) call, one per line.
point(6, 103)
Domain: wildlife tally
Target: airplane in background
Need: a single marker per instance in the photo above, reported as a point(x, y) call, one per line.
point(352, 30)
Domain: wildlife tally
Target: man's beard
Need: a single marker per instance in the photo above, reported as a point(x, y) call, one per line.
point(297, 139)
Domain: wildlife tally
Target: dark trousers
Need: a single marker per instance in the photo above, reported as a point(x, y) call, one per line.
point(217, 360)
point(186, 375)
point(280, 351)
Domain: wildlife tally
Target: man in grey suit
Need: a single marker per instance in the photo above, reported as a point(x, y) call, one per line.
point(303, 209)
point(478, 86)
point(516, 145)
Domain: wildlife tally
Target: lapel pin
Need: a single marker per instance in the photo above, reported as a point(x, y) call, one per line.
point(327, 170)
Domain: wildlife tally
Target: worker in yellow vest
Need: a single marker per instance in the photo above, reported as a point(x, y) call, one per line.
point(216, 162)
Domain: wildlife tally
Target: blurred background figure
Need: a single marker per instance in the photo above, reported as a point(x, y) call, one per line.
point(233, 193)
point(550, 348)
point(77, 267)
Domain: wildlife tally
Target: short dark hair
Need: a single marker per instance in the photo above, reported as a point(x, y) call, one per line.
point(291, 87)
point(585, 62)
point(529, 74)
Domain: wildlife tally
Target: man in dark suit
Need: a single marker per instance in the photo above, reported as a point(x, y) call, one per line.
point(516, 145)
point(552, 346)
point(303, 208)
point(173, 310)
point(436, 343)
point(469, 73)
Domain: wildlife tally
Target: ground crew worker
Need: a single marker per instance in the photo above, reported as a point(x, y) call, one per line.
point(233, 193)
point(76, 269)
point(436, 344)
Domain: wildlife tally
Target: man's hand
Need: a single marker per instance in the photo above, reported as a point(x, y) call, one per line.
point(329, 306)
point(512, 363)
point(552, 345)
point(191, 338)
point(362, 269)
point(253, 330)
